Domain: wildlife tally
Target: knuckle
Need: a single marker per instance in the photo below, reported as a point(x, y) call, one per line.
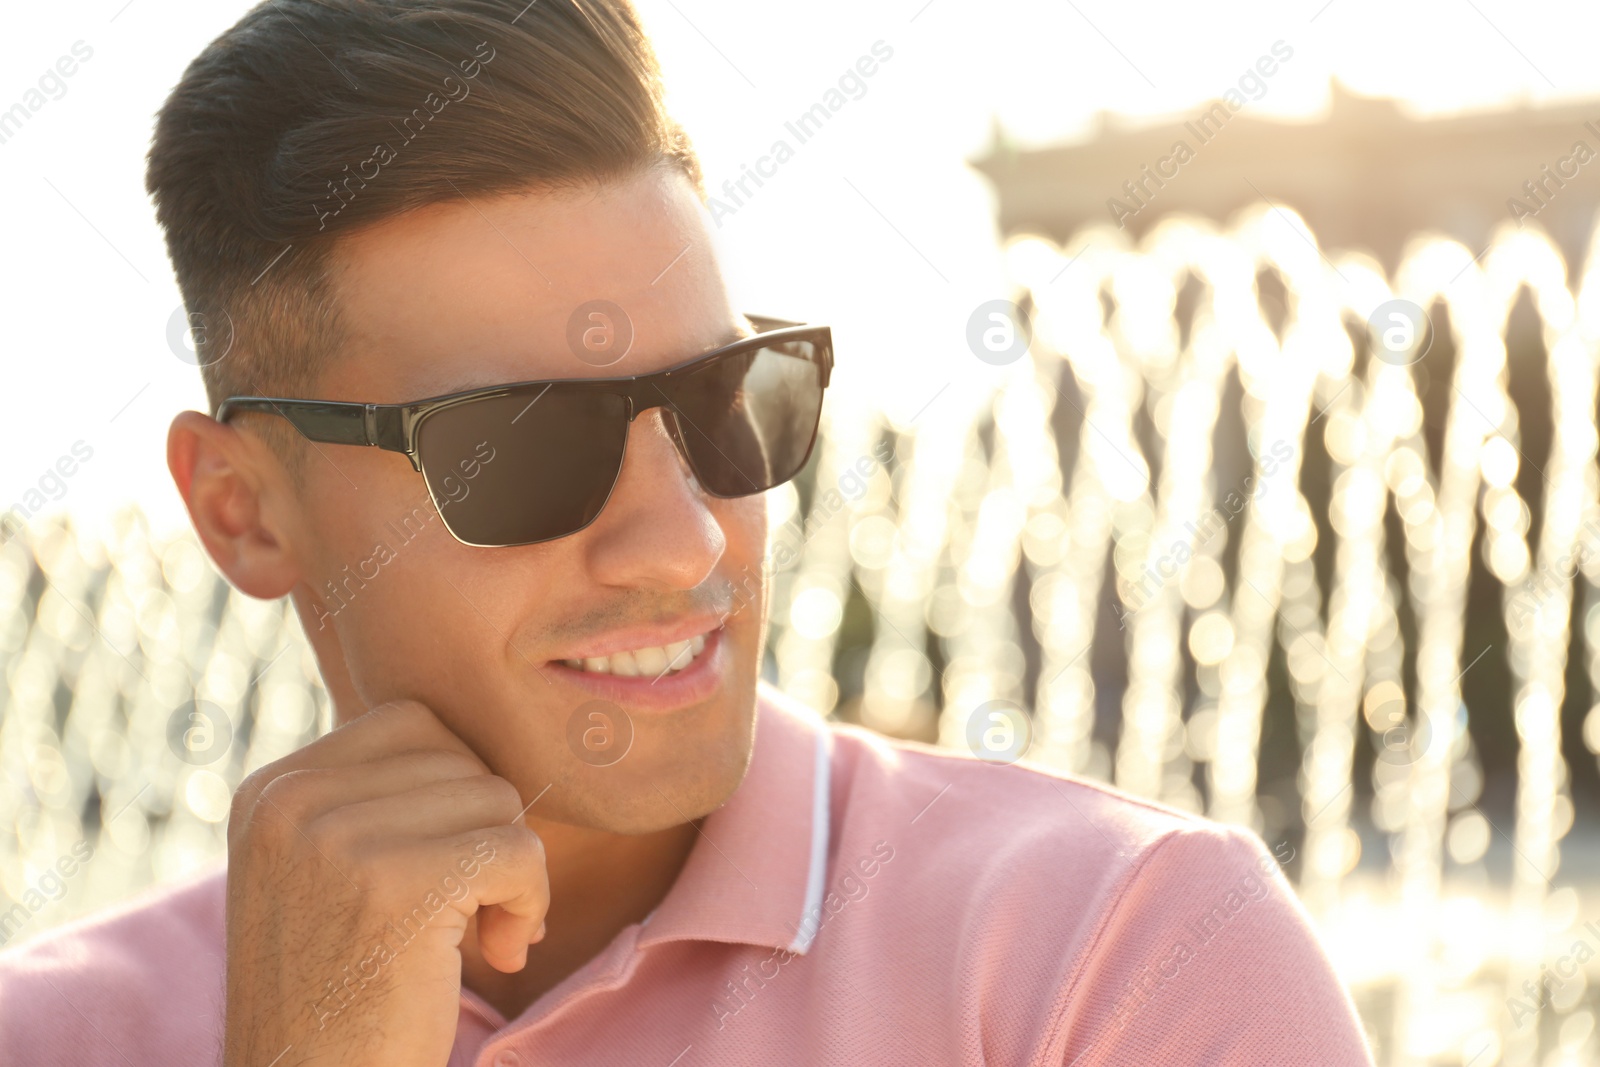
point(464, 762)
point(287, 794)
point(357, 860)
point(501, 793)
point(248, 795)
point(244, 799)
point(330, 835)
point(524, 848)
point(495, 801)
point(282, 805)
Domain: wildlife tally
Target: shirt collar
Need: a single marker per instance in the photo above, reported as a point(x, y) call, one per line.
point(755, 874)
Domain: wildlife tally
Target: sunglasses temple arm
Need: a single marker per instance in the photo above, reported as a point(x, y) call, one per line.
point(327, 421)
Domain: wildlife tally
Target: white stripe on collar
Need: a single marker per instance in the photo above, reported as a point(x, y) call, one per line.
point(821, 784)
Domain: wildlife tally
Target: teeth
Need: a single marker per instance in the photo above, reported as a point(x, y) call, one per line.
point(644, 662)
point(677, 655)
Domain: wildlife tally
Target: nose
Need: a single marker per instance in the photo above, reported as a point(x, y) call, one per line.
point(657, 530)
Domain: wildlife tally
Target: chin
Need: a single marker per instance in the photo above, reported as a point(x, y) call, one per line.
point(679, 768)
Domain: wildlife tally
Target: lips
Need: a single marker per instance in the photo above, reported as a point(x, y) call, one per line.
point(670, 685)
point(647, 635)
point(650, 662)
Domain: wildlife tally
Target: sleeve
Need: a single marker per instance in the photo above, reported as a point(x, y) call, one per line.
point(1206, 956)
point(139, 983)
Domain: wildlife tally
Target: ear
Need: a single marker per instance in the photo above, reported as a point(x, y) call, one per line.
point(239, 500)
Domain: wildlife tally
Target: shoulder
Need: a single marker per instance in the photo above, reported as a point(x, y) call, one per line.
point(1014, 854)
point(1109, 922)
point(140, 982)
point(1011, 828)
point(1027, 816)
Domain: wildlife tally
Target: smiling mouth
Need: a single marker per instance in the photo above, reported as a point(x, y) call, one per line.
point(650, 662)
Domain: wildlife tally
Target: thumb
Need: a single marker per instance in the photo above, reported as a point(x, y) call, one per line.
point(504, 937)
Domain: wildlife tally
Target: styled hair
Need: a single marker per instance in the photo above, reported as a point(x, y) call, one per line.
point(312, 118)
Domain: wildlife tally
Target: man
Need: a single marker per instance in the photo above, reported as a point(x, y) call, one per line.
point(558, 820)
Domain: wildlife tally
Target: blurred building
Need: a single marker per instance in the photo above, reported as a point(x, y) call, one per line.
point(1366, 176)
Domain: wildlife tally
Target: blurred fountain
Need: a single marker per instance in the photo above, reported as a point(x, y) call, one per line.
point(1204, 534)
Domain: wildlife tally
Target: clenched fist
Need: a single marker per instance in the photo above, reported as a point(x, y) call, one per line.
point(354, 867)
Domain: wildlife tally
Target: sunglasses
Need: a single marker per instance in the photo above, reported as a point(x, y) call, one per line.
point(545, 455)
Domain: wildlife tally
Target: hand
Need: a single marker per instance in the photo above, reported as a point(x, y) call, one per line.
point(354, 866)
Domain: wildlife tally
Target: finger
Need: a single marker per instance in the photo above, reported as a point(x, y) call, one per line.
point(502, 940)
point(308, 793)
point(511, 890)
point(385, 730)
point(434, 809)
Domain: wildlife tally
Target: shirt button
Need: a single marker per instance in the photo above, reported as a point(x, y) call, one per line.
point(507, 1058)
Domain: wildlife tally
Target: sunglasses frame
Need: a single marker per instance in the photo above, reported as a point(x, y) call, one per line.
point(394, 427)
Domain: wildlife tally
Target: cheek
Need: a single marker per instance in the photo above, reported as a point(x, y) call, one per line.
point(359, 505)
point(744, 522)
point(743, 568)
point(744, 527)
point(428, 625)
point(372, 555)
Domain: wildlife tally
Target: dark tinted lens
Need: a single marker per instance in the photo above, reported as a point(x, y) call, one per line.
point(530, 466)
point(747, 421)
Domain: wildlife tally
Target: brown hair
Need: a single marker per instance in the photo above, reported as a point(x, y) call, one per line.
point(311, 118)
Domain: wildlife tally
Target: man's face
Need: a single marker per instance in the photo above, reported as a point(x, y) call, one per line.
point(469, 294)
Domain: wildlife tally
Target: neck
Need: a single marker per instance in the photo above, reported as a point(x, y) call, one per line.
point(599, 884)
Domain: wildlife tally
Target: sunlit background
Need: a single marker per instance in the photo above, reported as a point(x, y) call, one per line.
point(1217, 545)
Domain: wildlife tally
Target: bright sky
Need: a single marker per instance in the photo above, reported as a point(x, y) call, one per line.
point(876, 225)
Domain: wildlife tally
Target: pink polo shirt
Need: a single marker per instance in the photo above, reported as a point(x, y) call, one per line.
point(857, 901)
